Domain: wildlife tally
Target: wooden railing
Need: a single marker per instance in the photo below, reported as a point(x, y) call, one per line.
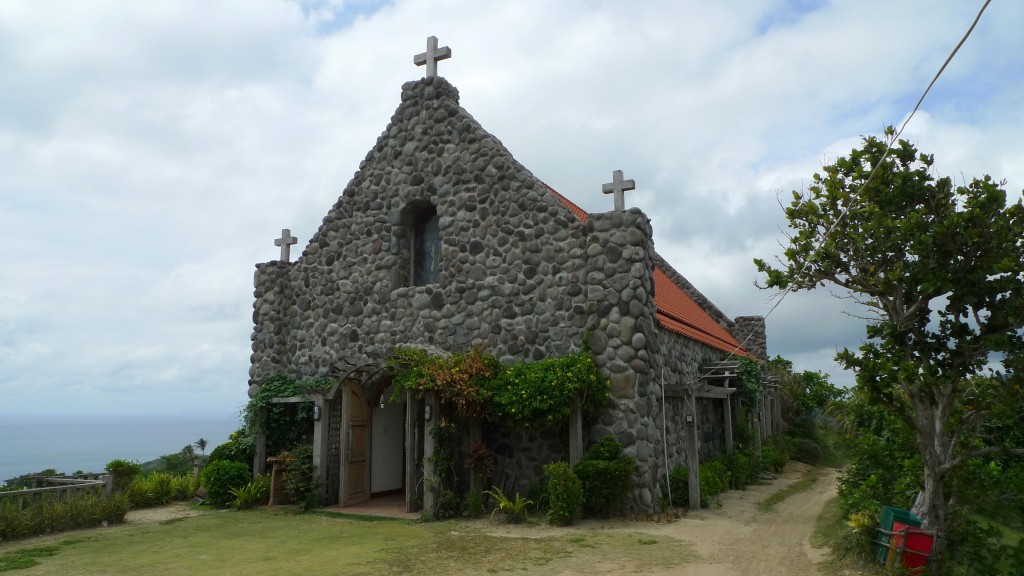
point(61, 488)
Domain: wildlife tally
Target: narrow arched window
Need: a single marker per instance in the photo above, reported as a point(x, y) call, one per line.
point(426, 249)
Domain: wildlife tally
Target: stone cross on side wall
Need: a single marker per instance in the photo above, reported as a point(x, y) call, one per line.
point(617, 186)
point(285, 242)
point(431, 56)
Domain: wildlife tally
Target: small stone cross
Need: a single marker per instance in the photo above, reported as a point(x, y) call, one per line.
point(285, 242)
point(617, 186)
point(431, 56)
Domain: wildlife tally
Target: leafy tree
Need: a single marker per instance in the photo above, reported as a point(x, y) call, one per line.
point(940, 270)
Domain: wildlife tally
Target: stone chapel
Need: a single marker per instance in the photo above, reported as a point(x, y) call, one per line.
point(443, 241)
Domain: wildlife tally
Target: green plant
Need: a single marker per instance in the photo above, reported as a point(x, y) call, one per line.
point(526, 395)
point(220, 477)
point(565, 494)
point(714, 479)
point(475, 504)
point(773, 458)
point(805, 450)
point(236, 449)
point(748, 381)
point(514, 510)
point(740, 469)
point(284, 425)
point(444, 483)
point(124, 472)
point(253, 494)
point(50, 514)
point(298, 478)
point(606, 476)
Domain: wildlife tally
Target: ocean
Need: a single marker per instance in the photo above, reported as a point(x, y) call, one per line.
point(69, 443)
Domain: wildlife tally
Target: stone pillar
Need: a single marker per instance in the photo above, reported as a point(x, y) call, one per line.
point(619, 289)
point(751, 332)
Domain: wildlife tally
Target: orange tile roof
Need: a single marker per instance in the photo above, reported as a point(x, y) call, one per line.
point(676, 311)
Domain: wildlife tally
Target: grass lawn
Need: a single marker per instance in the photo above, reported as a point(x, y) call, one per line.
point(273, 542)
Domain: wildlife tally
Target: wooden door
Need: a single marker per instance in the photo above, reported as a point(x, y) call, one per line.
point(355, 483)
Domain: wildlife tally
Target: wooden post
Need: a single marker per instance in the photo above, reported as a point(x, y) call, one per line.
point(320, 434)
point(411, 416)
point(777, 406)
point(476, 483)
point(575, 434)
point(259, 459)
point(429, 470)
point(729, 448)
point(692, 448)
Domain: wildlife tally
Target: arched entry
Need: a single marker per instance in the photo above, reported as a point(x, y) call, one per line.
point(387, 448)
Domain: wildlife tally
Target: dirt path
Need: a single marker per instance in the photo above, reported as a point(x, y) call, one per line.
point(736, 539)
point(740, 539)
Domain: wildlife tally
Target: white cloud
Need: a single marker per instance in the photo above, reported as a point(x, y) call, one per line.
point(150, 152)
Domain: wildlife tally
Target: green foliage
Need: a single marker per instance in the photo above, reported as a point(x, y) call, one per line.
point(253, 494)
point(444, 484)
point(978, 548)
point(298, 478)
point(748, 381)
point(475, 504)
point(772, 458)
point(159, 488)
point(565, 494)
point(805, 450)
point(50, 514)
point(220, 477)
point(740, 468)
point(124, 472)
point(515, 510)
point(287, 424)
point(714, 479)
point(523, 395)
point(606, 475)
point(179, 463)
point(940, 267)
point(236, 449)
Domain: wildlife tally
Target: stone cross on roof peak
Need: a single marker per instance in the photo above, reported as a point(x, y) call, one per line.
point(285, 242)
point(431, 56)
point(617, 186)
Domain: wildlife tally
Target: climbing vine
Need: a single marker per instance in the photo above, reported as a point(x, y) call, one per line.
point(527, 394)
point(285, 425)
point(748, 376)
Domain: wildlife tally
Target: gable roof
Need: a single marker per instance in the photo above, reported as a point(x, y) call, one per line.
point(676, 310)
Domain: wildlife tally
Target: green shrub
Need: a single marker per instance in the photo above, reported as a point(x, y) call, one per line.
point(236, 449)
point(714, 479)
point(772, 458)
point(606, 476)
point(220, 477)
point(124, 471)
point(741, 472)
point(161, 488)
point(805, 450)
point(51, 514)
point(514, 510)
point(298, 478)
point(253, 494)
point(565, 494)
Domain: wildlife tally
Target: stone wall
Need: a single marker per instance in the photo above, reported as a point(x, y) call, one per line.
point(521, 277)
point(751, 332)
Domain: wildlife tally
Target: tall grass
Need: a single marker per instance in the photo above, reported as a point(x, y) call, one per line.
point(161, 488)
point(51, 514)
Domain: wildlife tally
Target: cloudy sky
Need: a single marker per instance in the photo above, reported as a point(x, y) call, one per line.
point(150, 152)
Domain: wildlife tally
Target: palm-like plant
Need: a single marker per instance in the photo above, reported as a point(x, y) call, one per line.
point(201, 445)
